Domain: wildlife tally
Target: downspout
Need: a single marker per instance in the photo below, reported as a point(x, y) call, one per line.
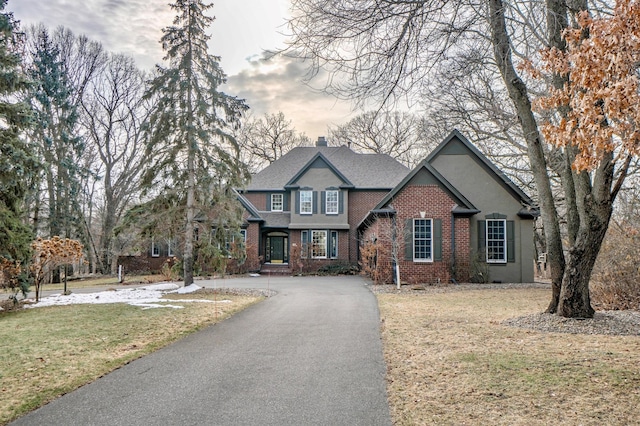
point(395, 255)
point(453, 248)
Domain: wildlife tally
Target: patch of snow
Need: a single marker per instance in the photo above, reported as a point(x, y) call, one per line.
point(188, 289)
point(146, 297)
point(161, 287)
point(254, 275)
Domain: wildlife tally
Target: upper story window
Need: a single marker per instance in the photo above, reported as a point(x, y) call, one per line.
point(331, 202)
point(496, 241)
point(422, 240)
point(277, 202)
point(306, 202)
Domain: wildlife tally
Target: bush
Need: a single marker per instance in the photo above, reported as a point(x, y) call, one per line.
point(341, 268)
point(615, 282)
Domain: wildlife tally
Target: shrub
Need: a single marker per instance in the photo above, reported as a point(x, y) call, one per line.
point(615, 282)
point(340, 268)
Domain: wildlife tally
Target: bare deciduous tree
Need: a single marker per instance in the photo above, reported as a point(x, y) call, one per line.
point(398, 134)
point(112, 115)
point(267, 138)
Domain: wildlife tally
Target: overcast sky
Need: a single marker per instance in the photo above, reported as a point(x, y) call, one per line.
point(243, 29)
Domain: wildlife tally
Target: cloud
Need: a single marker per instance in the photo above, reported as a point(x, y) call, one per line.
point(132, 27)
point(278, 84)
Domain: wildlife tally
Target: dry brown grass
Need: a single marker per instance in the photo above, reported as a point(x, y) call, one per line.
point(47, 352)
point(450, 361)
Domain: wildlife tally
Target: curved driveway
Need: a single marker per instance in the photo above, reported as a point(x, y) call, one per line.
point(310, 355)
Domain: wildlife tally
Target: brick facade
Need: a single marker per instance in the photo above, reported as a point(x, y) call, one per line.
point(360, 203)
point(429, 202)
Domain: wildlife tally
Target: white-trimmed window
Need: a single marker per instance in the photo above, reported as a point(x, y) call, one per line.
point(334, 245)
point(496, 241)
point(155, 249)
point(169, 248)
point(319, 244)
point(422, 240)
point(306, 202)
point(331, 202)
point(277, 202)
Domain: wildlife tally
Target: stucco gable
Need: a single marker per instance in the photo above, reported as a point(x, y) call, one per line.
point(457, 144)
point(319, 161)
point(425, 174)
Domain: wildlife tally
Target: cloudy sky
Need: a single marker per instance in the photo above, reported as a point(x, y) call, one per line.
point(243, 29)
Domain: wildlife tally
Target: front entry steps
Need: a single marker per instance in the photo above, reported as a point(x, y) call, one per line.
point(281, 269)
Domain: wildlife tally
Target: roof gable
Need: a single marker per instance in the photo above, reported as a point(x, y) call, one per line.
point(362, 171)
point(457, 144)
point(426, 174)
point(319, 161)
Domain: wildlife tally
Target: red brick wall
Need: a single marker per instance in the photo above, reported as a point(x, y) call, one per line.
point(360, 203)
point(259, 200)
point(253, 238)
point(436, 204)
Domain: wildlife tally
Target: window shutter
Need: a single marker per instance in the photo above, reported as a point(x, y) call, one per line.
point(323, 202)
point(340, 202)
point(437, 239)
point(285, 202)
point(297, 196)
point(408, 239)
point(511, 243)
point(482, 235)
point(268, 202)
point(315, 202)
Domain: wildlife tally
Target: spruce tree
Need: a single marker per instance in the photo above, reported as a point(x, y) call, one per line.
point(55, 128)
point(18, 166)
point(190, 141)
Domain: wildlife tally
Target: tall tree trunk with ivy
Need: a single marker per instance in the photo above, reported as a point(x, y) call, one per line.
point(190, 143)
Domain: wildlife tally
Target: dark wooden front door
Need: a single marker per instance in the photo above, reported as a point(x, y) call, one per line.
point(277, 249)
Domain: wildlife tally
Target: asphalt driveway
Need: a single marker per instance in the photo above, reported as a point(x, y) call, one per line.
point(310, 355)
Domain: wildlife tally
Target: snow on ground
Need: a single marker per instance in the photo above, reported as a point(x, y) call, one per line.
point(146, 297)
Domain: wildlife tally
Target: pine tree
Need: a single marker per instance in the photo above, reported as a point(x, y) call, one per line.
point(190, 141)
point(17, 164)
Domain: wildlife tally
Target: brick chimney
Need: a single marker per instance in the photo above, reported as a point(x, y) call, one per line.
point(321, 141)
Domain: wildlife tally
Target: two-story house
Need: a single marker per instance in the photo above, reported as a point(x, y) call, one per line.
point(451, 218)
point(307, 204)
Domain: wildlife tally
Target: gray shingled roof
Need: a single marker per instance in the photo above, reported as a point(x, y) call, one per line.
point(365, 171)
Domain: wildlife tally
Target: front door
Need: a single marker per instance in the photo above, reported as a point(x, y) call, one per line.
point(277, 249)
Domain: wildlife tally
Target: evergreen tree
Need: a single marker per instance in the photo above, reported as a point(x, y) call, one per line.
point(17, 164)
point(190, 139)
point(55, 132)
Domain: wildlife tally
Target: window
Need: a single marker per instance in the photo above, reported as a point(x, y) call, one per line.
point(304, 244)
point(277, 202)
point(331, 202)
point(155, 250)
point(306, 202)
point(235, 241)
point(169, 248)
point(319, 244)
point(496, 241)
point(334, 245)
point(422, 239)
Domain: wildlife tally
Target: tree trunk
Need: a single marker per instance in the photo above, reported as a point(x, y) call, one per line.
point(188, 234)
point(191, 174)
point(520, 98)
